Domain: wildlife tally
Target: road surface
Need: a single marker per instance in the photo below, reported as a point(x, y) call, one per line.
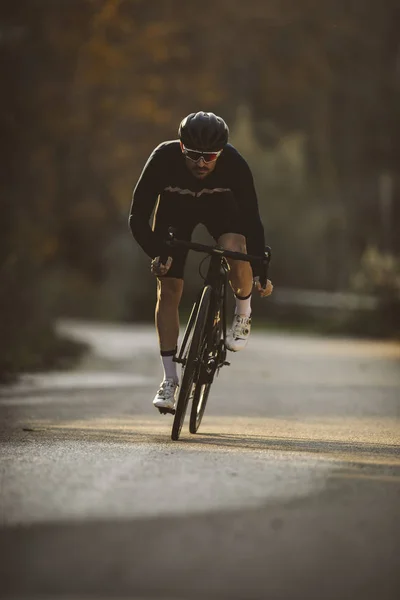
point(291, 489)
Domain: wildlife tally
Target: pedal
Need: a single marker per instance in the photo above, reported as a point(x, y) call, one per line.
point(166, 411)
point(228, 364)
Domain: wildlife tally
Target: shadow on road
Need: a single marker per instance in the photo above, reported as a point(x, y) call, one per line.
point(376, 452)
point(293, 444)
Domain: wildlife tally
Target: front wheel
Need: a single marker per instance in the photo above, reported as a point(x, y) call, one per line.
point(192, 365)
point(198, 405)
point(210, 361)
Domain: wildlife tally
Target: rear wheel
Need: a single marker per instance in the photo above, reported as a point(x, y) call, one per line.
point(192, 365)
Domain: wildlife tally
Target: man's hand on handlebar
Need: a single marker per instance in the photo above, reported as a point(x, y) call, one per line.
point(158, 268)
point(266, 291)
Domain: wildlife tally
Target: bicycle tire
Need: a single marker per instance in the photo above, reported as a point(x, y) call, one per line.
point(189, 329)
point(191, 366)
point(199, 406)
point(203, 385)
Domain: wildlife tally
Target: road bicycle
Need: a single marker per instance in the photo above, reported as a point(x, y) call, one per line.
point(202, 352)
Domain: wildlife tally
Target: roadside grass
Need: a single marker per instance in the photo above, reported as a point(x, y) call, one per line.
point(45, 350)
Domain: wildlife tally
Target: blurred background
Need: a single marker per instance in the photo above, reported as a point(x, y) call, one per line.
point(311, 92)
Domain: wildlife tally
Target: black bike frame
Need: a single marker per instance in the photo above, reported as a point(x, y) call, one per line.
point(217, 278)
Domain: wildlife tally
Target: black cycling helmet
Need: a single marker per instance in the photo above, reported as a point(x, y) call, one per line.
point(203, 131)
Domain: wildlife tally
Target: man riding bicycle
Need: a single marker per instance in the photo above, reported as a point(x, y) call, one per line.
point(199, 178)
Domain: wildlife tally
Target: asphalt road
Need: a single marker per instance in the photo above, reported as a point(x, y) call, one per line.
point(291, 489)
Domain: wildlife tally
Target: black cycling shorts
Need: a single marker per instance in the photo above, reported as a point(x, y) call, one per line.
point(218, 212)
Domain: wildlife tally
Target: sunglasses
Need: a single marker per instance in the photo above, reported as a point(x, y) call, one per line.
point(196, 155)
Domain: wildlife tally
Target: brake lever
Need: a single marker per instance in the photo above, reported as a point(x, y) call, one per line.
point(171, 233)
point(265, 263)
point(169, 242)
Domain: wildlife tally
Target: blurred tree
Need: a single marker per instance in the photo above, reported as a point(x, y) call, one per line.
point(91, 86)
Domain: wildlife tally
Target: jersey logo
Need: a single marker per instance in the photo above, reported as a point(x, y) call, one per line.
point(179, 190)
point(213, 190)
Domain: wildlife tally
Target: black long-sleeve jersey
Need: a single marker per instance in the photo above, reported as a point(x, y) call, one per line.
point(166, 174)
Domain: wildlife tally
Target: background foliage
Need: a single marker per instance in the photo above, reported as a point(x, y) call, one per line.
point(310, 89)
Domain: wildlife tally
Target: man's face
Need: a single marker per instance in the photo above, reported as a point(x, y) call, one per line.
point(200, 169)
point(198, 166)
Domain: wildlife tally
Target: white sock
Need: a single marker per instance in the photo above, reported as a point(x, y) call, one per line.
point(169, 366)
point(243, 305)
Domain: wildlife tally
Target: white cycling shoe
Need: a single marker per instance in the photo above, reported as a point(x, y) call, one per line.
point(165, 398)
point(238, 336)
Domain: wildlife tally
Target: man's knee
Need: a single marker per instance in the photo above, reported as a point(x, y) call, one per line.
point(235, 242)
point(169, 289)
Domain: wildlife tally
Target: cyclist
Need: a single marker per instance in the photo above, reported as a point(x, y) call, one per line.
point(199, 178)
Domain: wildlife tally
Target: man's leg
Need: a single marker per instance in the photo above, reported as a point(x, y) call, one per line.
point(241, 280)
point(169, 293)
point(241, 273)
